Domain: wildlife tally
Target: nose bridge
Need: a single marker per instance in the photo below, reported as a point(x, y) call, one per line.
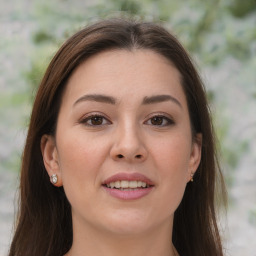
point(128, 143)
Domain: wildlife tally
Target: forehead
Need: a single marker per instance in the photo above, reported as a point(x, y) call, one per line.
point(125, 74)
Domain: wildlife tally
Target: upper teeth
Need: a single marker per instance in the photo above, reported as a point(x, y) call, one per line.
point(127, 184)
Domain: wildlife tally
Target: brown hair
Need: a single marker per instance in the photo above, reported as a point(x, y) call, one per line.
point(44, 224)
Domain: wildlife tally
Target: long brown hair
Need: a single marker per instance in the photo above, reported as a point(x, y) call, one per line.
point(44, 225)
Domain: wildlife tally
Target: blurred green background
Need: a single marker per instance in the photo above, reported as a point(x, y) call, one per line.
point(221, 37)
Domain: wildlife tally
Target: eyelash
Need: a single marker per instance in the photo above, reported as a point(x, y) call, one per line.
point(90, 117)
point(168, 121)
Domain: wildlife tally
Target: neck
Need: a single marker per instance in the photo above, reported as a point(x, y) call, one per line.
point(90, 241)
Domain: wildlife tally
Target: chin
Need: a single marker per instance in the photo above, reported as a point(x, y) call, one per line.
point(129, 222)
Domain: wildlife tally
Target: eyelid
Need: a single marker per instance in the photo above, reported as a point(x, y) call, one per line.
point(87, 116)
point(161, 114)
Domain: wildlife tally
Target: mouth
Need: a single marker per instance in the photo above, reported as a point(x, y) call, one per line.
point(128, 186)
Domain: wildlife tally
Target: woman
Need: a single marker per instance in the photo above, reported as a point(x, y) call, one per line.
point(120, 156)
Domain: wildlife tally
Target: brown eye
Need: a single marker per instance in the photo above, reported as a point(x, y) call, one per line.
point(157, 120)
point(97, 120)
point(160, 121)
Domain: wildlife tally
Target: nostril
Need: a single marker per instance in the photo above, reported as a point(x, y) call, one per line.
point(120, 156)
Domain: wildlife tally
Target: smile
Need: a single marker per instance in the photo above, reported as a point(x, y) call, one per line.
point(128, 186)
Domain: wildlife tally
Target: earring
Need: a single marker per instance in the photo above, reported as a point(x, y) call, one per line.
point(191, 177)
point(54, 179)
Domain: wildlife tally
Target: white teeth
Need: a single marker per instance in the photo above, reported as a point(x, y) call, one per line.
point(124, 184)
point(127, 185)
point(133, 184)
point(117, 184)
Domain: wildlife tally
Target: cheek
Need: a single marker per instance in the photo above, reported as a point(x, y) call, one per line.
point(79, 151)
point(173, 155)
point(80, 158)
point(172, 162)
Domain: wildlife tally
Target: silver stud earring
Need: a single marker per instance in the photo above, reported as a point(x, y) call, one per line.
point(54, 178)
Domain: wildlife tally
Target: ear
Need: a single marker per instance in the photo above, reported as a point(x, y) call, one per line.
point(195, 156)
point(50, 157)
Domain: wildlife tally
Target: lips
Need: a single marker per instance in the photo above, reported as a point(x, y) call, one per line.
point(129, 177)
point(128, 186)
point(125, 184)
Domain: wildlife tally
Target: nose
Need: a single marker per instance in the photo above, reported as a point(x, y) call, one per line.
point(128, 145)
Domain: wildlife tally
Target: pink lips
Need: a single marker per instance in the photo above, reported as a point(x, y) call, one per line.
point(129, 177)
point(128, 194)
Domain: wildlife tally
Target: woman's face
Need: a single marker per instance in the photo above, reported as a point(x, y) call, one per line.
point(123, 149)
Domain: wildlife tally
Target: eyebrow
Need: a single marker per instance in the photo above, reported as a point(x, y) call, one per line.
point(159, 99)
point(96, 97)
point(111, 100)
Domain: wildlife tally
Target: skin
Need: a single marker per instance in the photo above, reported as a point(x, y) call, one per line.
point(83, 154)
